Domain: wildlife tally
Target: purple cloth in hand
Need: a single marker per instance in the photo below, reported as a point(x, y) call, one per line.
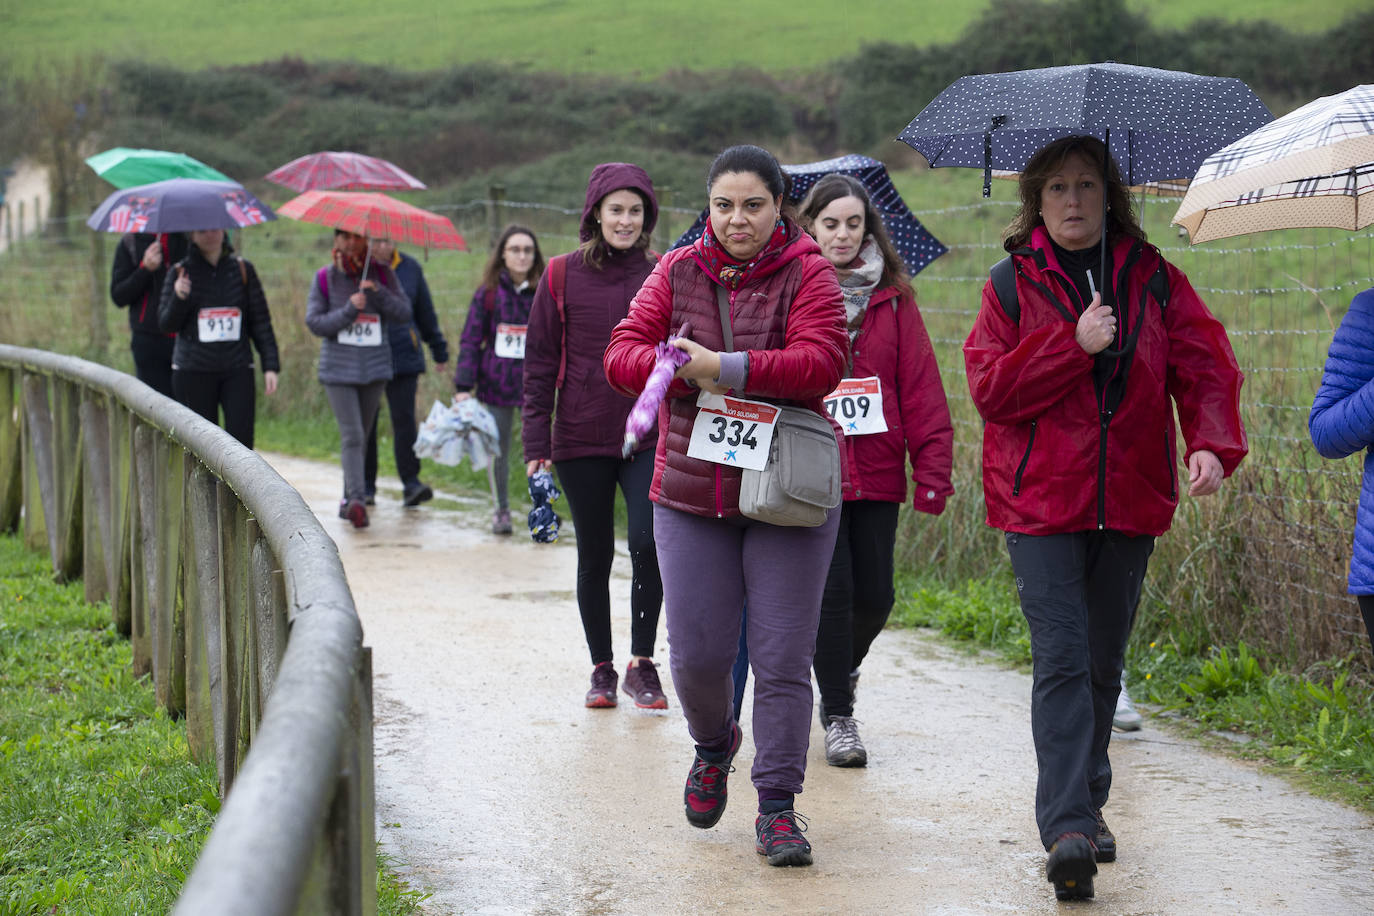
point(644, 414)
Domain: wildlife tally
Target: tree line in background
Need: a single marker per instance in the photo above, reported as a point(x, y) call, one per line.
point(539, 132)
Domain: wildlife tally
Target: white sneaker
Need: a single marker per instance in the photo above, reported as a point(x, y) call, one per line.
point(842, 745)
point(1126, 717)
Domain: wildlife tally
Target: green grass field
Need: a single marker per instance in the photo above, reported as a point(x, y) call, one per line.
point(589, 36)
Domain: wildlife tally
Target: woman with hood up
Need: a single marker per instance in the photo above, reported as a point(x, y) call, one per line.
point(574, 422)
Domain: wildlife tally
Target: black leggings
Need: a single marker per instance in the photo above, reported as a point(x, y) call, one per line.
point(400, 404)
point(207, 392)
point(857, 599)
point(589, 484)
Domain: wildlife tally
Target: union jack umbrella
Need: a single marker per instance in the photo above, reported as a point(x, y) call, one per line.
point(1312, 167)
point(343, 171)
point(912, 240)
point(375, 216)
point(180, 205)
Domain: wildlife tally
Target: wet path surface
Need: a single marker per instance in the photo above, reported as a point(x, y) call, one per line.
point(502, 794)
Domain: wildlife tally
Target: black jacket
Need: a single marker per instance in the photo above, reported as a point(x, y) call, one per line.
point(406, 356)
point(230, 283)
point(137, 289)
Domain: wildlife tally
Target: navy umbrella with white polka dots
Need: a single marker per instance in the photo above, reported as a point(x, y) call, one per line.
point(1158, 124)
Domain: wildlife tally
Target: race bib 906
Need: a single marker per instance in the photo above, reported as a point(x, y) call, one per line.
point(365, 331)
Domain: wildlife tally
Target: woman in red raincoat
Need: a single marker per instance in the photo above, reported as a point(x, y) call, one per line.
point(1077, 378)
point(891, 404)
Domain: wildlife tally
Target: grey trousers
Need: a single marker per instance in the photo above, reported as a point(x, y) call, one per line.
point(501, 465)
point(355, 410)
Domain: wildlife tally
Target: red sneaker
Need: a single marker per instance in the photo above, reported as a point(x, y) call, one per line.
point(602, 692)
point(705, 795)
point(779, 837)
point(642, 683)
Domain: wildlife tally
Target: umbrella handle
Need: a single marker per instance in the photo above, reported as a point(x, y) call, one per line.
point(997, 121)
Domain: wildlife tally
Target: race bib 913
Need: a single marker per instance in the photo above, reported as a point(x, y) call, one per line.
point(219, 325)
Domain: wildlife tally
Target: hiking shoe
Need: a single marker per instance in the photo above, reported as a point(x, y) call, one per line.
point(354, 511)
point(704, 797)
point(642, 684)
point(1126, 717)
point(602, 692)
point(842, 745)
point(370, 498)
point(1071, 866)
point(1104, 840)
point(415, 493)
point(779, 837)
point(500, 522)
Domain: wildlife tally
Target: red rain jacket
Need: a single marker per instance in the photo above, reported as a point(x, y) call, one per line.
point(787, 316)
point(1053, 460)
point(894, 346)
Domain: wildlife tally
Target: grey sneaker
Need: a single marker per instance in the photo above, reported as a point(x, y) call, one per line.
point(1126, 717)
point(500, 522)
point(842, 745)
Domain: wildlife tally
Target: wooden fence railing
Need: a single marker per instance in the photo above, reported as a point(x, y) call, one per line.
point(236, 604)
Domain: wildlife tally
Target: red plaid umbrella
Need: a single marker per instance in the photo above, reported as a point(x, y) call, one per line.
point(376, 216)
point(343, 171)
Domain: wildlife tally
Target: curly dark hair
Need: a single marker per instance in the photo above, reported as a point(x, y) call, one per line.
point(1121, 217)
point(831, 188)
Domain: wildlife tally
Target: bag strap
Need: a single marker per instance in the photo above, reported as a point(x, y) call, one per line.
point(322, 281)
point(723, 301)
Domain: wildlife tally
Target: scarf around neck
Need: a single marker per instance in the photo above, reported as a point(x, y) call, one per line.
point(730, 271)
point(858, 279)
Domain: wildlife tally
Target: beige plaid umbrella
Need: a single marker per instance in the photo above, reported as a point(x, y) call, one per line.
point(1312, 167)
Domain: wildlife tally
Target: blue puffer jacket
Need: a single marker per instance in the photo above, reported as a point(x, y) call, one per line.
point(1342, 422)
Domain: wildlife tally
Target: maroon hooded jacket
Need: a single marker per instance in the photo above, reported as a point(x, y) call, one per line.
point(584, 417)
point(1055, 460)
point(787, 315)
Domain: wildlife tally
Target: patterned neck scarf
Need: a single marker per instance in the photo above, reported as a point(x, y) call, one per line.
point(857, 281)
point(729, 270)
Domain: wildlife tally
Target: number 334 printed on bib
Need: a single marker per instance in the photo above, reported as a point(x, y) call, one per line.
point(732, 431)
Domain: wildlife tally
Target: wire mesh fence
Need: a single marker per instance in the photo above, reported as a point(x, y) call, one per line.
point(1264, 560)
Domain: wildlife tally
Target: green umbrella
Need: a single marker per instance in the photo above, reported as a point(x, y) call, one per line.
point(125, 168)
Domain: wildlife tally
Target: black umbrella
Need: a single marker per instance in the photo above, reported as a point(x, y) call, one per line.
point(1157, 124)
point(912, 240)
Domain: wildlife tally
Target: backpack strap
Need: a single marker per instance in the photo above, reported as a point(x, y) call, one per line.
point(489, 300)
point(1159, 285)
point(558, 282)
point(1004, 287)
point(243, 273)
point(322, 282)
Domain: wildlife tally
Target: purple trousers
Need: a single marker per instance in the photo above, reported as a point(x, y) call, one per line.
point(710, 568)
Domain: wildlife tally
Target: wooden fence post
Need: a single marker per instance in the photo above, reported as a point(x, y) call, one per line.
point(11, 445)
point(496, 219)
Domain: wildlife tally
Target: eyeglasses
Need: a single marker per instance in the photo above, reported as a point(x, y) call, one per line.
point(519, 249)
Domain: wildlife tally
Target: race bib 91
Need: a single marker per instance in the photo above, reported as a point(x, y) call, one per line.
point(857, 405)
point(510, 341)
point(219, 325)
point(732, 431)
point(365, 331)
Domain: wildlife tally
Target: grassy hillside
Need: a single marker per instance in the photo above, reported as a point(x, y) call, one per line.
point(589, 36)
